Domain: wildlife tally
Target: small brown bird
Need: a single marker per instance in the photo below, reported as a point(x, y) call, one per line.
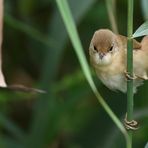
point(108, 53)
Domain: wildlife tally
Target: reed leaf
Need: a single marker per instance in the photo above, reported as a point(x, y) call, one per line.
point(74, 37)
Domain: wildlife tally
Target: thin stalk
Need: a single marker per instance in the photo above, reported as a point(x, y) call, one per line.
point(111, 10)
point(73, 34)
point(130, 96)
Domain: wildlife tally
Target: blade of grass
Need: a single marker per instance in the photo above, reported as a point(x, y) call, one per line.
point(73, 34)
point(11, 128)
point(144, 4)
point(146, 146)
point(6, 142)
point(113, 135)
point(45, 131)
point(111, 9)
point(54, 55)
point(32, 32)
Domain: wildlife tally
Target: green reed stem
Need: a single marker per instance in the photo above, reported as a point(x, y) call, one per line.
point(130, 96)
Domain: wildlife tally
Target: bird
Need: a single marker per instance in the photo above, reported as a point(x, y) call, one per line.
point(108, 56)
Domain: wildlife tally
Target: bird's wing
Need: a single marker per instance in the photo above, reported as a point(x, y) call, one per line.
point(144, 43)
point(136, 44)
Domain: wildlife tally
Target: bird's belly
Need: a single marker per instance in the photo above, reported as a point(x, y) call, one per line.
point(118, 82)
point(115, 82)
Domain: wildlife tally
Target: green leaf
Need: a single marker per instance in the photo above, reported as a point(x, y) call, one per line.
point(30, 31)
point(146, 146)
point(142, 30)
point(144, 4)
point(73, 34)
point(113, 134)
point(50, 67)
point(54, 55)
point(6, 142)
point(11, 128)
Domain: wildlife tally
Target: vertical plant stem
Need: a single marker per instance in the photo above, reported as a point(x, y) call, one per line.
point(130, 96)
point(111, 10)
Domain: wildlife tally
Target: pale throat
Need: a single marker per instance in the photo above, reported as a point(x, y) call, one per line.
point(106, 60)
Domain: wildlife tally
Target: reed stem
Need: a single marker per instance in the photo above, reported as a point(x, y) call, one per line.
point(130, 96)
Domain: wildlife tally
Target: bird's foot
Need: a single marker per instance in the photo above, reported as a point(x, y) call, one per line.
point(130, 125)
point(134, 76)
point(130, 77)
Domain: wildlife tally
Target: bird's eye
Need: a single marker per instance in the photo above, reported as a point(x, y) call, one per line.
point(95, 48)
point(111, 48)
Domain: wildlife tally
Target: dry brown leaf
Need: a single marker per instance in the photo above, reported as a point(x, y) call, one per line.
point(2, 79)
point(3, 85)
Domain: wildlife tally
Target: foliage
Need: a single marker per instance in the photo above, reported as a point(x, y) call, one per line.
point(37, 52)
point(142, 30)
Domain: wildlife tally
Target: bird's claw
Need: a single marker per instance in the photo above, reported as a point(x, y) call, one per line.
point(134, 76)
point(129, 77)
point(130, 125)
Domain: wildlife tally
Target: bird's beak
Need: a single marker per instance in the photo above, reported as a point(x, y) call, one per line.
point(101, 55)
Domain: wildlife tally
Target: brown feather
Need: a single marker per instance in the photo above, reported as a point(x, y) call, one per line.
point(136, 44)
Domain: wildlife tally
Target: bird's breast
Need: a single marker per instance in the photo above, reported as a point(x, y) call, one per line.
point(114, 82)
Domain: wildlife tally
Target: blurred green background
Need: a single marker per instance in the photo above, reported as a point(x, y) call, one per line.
point(37, 52)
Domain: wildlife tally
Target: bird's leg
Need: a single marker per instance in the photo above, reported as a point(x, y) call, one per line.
point(130, 125)
point(129, 77)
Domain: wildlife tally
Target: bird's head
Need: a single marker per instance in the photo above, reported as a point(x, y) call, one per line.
point(103, 46)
